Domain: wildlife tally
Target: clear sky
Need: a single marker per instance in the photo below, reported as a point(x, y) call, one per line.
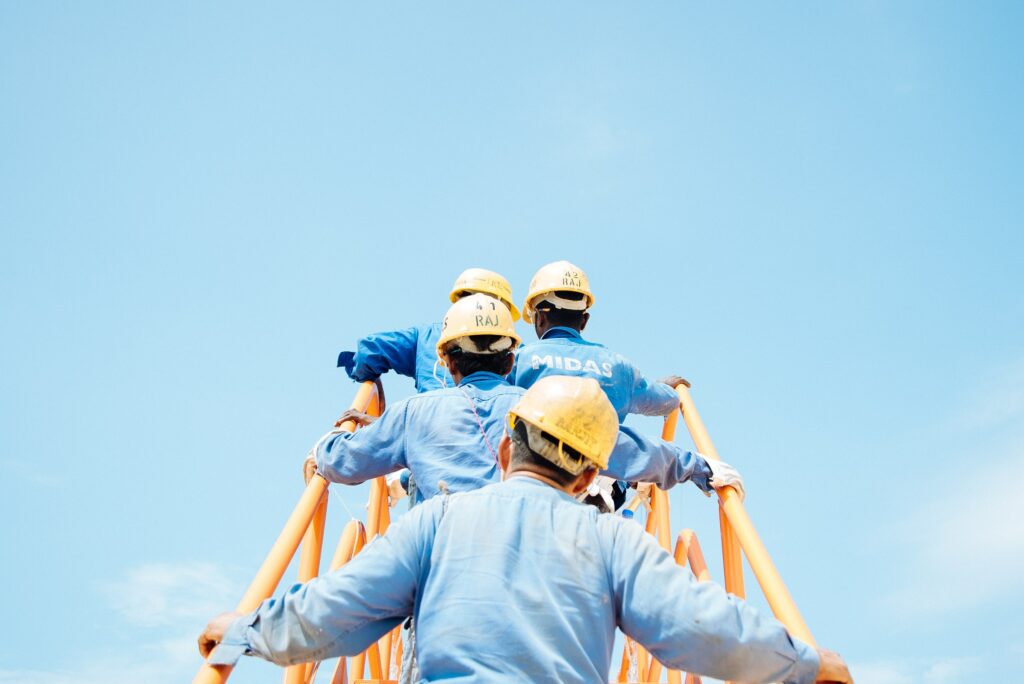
point(811, 210)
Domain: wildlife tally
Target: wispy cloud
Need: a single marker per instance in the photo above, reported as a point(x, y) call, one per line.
point(941, 671)
point(168, 594)
point(165, 605)
point(965, 528)
point(165, 661)
point(30, 472)
point(998, 401)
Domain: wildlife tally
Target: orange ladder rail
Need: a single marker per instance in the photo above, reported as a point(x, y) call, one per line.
point(739, 523)
point(281, 553)
point(738, 535)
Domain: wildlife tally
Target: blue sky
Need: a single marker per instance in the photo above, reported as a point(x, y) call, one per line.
point(811, 211)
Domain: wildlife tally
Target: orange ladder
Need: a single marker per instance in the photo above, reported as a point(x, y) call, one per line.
point(307, 521)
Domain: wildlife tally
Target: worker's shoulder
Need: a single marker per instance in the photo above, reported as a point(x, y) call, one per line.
point(558, 343)
point(428, 330)
point(614, 529)
point(526, 488)
point(459, 393)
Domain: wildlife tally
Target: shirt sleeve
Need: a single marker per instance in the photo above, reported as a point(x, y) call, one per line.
point(378, 353)
point(636, 458)
point(696, 626)
point(343, 612)
point(651, 398)
point(371, 451)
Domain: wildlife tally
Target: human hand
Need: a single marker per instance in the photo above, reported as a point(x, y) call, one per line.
point(396, 491)
point(833, 668)
point(309, 468)
point(358, 417)
point(724, 475)
point(214, 632)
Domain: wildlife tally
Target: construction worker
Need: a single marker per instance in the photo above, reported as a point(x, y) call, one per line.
point(412, 351)
point(518, 582)
point(557, 305)
point(448, 437)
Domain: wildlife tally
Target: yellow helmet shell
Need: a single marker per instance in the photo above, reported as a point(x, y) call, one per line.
point(555, 277)
point(487, 282)
point(574, 410)
point(477, 314)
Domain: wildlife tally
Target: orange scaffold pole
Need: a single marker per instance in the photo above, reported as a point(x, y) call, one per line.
point(732, 562)
point(660, 512)
point(281, 553)
point(739, 523)
point(688, 550)
point(312, 547)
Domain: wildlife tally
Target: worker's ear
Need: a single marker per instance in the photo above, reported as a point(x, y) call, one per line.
point(583, 320)
point(583, 481)
point(443, 359)
point(509, 365)
point(504, 454)
point(540, 322)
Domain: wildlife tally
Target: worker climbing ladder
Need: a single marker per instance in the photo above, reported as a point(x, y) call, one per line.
point(307, 524)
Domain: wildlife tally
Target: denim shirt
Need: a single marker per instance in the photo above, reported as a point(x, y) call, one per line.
point(518, 582)
point(411, 352)
point(453, 434)
point(563, 351)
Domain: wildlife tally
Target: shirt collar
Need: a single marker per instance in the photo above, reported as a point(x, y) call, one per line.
point(483, 380)
point(535, 487)
point(560, 332)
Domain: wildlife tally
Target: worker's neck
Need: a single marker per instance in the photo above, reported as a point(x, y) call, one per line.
point(521, 472)
point(544, 330)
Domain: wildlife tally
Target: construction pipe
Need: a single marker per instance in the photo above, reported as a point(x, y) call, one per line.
point(732, 561)
point(688, 551)
point(281, 553)
point(774, 589)
point(309, 556)
point(352, 541)
point(309, 567)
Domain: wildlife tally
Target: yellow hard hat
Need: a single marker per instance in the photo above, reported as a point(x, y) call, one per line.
point(478, 314)
point(488, 282)
point(576, 412)
point(560, 276)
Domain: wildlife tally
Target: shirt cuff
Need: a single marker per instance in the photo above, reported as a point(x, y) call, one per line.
point(702, 474)
point(234, 644)
point(805, 670)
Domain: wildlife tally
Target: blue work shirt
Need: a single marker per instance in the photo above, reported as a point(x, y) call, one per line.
point(440, 435)
point(411, 352)
point(563, 351)
point(518, 582)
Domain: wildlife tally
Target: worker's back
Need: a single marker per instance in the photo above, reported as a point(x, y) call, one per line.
point(449, 434)
point(563, 351)
point(523, 583)
point(517, 587)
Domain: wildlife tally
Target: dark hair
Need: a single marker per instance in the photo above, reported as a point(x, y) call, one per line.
point(564, 317)
point(467, 363)
point(525, 457)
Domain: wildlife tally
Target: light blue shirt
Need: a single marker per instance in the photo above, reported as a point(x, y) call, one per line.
point(411, 352)
point(563, 351)
point(453, 434)
point(517, 582)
